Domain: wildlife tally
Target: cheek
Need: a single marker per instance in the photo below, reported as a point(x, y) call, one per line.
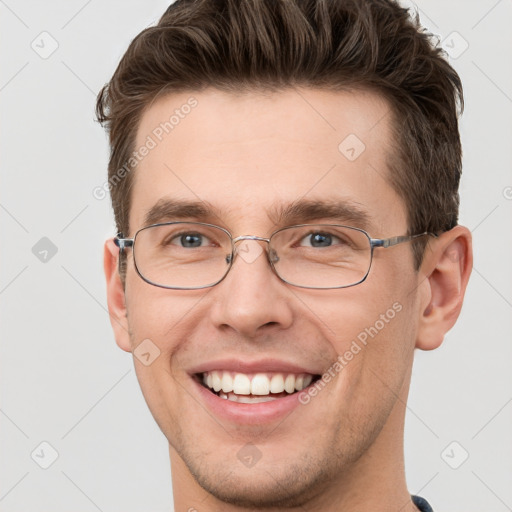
point(158, 320)
point(161, 322)
point(372, 329)
point(361, 313)
point(374, 361)
point(156, 313)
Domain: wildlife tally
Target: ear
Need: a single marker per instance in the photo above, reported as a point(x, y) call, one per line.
point(445, 269)
point(115, 295)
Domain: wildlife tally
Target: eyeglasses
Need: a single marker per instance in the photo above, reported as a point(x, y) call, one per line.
point(194, 255)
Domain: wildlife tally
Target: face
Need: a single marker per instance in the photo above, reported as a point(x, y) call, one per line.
point(244, 158)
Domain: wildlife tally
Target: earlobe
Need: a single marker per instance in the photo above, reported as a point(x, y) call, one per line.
point(116, 296)
point(447, 268)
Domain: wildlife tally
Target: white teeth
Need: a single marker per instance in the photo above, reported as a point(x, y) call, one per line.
point(260, 385)
point(229, 396)
point(216, 380)
point(277, 383)
point(289, 384)
point(241, 384)
point(232, 397)
point(229, 384)
point(255, 399)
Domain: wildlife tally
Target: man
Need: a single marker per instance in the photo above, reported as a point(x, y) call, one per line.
point(284, 179)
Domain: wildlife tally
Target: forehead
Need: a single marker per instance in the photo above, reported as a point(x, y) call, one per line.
point(254, 153)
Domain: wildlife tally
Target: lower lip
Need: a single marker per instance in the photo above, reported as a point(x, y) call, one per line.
point(248, 414)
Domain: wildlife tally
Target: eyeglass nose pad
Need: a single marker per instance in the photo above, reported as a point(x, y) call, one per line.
point(272, 256)
point(228, 258)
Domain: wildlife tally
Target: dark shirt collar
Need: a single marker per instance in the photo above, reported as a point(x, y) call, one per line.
point(422, 504)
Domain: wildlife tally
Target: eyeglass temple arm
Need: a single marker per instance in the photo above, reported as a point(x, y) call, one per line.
point(394, 240)
point(123, 243)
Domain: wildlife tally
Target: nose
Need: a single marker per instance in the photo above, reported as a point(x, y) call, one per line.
point(251, 300)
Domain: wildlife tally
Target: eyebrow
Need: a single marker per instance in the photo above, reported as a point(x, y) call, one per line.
point(303, 211)
point(176, 209)
point(297, 212)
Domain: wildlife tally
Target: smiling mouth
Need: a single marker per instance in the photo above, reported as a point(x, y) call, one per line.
point(256, 387)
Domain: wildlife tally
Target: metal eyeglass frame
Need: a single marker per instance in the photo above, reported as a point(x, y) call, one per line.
point(126, 243)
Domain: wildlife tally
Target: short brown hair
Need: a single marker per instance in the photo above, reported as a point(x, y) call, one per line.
point(237, 45)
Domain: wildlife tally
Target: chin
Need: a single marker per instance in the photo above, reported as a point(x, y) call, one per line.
point(263, 487)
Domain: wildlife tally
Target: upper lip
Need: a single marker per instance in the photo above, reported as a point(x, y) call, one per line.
point(255, 366)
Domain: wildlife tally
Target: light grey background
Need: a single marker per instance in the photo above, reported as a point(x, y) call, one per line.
point(63, 379)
